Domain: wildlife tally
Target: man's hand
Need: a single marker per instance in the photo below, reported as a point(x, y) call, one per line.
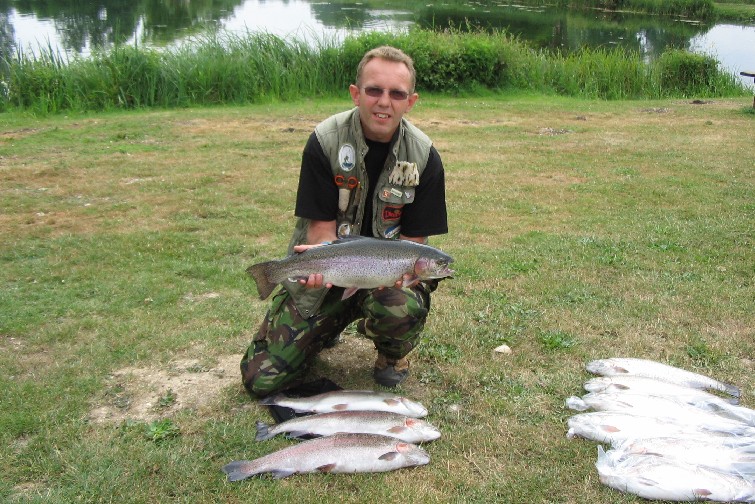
point(314, 281)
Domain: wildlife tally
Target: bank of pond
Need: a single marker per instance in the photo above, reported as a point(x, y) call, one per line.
point(223, 68)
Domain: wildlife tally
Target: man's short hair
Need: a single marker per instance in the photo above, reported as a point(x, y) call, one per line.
point(391, 54)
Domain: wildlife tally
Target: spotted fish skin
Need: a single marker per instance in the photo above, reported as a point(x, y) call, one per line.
point(616, 366)
point(340, 453)
point(660, 478)
point(349, 400)
point(355, 263)
point(408, 429)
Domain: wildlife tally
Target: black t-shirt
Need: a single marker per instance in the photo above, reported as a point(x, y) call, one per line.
point(317, 196)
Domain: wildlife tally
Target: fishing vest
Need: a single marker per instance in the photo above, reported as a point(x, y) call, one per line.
point(342, 141)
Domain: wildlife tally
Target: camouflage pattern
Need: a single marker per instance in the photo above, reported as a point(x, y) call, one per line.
point(286, 343)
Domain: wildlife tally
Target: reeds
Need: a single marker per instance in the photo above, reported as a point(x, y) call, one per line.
point(221, 68)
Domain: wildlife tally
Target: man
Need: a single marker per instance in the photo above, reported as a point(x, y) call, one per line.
point(369, 172)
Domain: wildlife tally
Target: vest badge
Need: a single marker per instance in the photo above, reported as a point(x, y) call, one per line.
point(404, 174)
point(347, 157)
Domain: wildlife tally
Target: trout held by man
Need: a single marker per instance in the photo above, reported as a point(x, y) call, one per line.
point(356, 263)
point(340, 453)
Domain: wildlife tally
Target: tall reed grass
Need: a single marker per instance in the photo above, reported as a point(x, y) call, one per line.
point(229, 69)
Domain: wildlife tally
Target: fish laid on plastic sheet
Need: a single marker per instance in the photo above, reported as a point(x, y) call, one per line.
point(657, 370)
point(661, 478)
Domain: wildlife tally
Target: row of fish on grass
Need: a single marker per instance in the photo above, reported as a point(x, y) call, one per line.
point(672, 436)
point(354, 431)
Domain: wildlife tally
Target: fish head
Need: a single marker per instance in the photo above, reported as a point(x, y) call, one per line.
point(429, 267)
point(413, 454)
point(424, 430)
point(605, 367)
point(413, 409)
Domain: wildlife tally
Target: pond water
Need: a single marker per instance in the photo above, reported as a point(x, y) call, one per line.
point(79, 27)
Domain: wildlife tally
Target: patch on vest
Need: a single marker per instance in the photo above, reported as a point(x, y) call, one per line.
point(347, 157)
point(391, 213)
point(404, 174)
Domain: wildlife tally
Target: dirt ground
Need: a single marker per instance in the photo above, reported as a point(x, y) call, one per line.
point(153, 392)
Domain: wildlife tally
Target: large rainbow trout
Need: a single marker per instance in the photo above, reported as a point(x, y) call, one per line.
point(356, 263)
point(340, 453)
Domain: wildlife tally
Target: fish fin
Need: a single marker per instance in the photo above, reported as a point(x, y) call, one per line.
point(271, 400)
point(744, 469)
point(302, 434)
point(397, 429)
point(238, 470)
point(392, 402)
point(282, 473)
point(260, 273)
point(576, 403)
point(609, 428)
point(732, 390)
point(410, 282)
point(340, 407)
point(348, 292)
point(702, 492)
point(389, 456)
point(263, 431)
point(621, 370)
point(327, 467)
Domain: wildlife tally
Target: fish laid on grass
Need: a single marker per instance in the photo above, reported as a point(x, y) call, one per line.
point(711, 407)
point(408, 429)
point(340, 453)
point(355, 263)
point(616, 426)
point(349, 400)
point(659, 371)
point(661, 478)
point(651, 386)
point(735, 455)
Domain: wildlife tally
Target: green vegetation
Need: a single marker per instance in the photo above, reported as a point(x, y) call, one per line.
point(580, 228)
point(226, 69)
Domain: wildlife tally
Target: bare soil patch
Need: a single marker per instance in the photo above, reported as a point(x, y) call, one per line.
point(152, 392)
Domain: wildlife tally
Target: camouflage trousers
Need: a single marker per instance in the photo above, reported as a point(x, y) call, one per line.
point(286, 343)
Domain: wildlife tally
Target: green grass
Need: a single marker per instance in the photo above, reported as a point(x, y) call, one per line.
point(581, 229)
point(223, 68)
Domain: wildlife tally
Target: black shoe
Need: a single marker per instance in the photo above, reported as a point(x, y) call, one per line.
point(390, 372)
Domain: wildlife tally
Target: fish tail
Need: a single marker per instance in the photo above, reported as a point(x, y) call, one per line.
point(744, 469)
point(261, 274)
point(732, 390)
point(271, 400)
point(576, 403)
point(239, 470)
point(263, 432)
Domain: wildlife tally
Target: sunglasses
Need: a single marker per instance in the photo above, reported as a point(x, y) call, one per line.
point(395, 94)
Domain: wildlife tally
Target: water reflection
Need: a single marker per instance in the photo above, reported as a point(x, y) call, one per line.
point(78, 26)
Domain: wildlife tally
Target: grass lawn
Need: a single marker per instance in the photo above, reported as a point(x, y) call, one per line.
point(581, 229)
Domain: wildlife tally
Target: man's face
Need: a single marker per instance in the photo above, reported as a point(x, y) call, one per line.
point(382, 114)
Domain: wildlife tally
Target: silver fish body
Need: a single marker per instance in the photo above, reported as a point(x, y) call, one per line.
point(349, 400)
point(697, 413)
point(355, 263)
point(402, 427)
point(651, 386)
point(340, 453)
point(660, 478)
point(618, 426)
point(734, 455)
point(661, 401)
point(659, 371)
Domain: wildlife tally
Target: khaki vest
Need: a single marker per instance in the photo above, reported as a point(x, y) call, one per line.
point(342, 140)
